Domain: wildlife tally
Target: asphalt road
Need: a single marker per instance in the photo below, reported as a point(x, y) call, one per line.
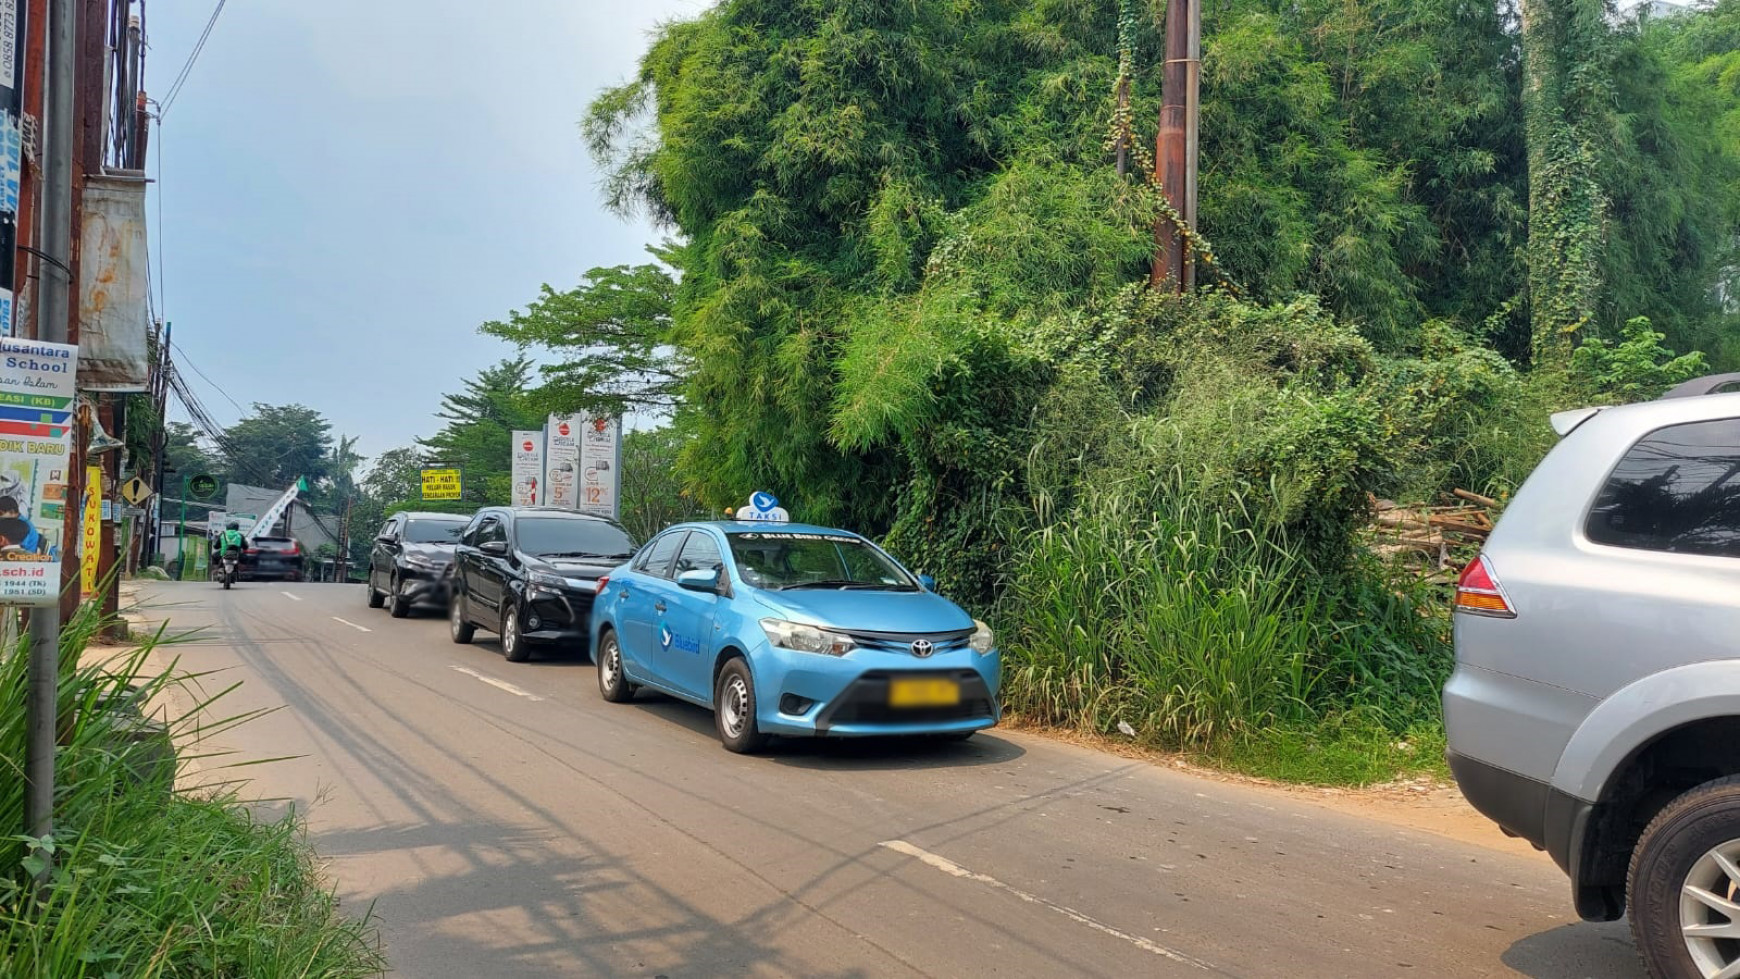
point(504, 821)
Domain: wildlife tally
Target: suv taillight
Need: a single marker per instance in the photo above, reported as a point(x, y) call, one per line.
point(601, 583)
point(1479, 593)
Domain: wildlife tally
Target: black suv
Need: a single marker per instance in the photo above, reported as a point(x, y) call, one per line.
point(408, 564)
point(530, 573)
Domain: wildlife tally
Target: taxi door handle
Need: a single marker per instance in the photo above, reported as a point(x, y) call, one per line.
point(658, 606)
point(622, 594)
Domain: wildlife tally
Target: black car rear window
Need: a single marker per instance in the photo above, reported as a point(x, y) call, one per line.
point(273, 544)
point(575, 537)
point(434, 531)
point(1676, 490)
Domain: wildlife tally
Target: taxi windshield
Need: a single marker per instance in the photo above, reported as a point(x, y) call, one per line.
point(783, 560)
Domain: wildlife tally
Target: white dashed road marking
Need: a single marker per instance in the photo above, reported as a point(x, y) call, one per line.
point(293, 598)
point(498, 684)
point(353, 625)
point(953, 869)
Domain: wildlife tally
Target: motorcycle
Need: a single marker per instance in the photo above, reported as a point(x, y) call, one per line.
point(227, 562)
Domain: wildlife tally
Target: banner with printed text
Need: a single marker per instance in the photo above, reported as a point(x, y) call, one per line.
point(562, 461)
point(91, 550)
point(601, 466)
point(36, 441)
point(528, 471)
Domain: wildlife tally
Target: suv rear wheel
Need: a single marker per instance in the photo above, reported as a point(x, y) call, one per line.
point(1684, 885)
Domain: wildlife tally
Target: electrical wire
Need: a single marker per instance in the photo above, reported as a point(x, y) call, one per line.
point(186, 69)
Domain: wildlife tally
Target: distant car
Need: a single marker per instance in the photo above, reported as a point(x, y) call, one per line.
point(1595, 706)
point(530, 574)
point(409, 561)
point(787, 629)
point(272, 558)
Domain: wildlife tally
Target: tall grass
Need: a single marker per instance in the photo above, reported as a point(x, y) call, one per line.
point(1189, 617)
point(144, 881)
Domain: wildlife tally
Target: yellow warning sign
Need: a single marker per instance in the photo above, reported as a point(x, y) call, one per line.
point(442, 484)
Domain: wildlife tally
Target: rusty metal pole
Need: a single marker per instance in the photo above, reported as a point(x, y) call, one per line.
point(1175, 144)
point(1192, 124)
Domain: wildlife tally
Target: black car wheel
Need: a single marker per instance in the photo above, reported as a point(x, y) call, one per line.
point(399, 606)
point(734, 709)
point(513, 645)
point(612, 682)
point(376, 599)
point(459, 627)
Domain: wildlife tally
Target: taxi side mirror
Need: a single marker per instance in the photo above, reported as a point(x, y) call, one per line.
point(700, 580)
point(927, 582)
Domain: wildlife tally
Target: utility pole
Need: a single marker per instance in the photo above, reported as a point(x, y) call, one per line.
point(53, 318)
point(1175, 146)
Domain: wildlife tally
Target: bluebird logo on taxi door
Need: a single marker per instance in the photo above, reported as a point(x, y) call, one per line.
point(669, 640)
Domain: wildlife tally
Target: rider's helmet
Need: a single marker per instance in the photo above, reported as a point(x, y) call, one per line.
point(232, 525)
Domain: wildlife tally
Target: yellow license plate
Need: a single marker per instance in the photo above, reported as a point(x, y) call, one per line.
point(923, 693)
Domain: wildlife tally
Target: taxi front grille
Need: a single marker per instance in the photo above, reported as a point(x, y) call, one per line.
point(866, 702)
point(901, 642)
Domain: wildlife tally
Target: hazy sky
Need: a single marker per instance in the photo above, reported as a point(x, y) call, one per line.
point(349, 188)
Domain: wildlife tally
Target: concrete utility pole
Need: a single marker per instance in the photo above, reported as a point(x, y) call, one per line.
point(1175, 146)
point(56, 291)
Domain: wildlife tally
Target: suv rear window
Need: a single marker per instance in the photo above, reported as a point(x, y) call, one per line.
point(275, 544)
point(1677, 490)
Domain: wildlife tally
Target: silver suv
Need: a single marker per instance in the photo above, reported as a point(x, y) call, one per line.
point(1595, 707)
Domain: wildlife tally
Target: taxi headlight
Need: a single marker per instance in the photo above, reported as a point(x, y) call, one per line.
point(806, 638)
point(982, 640)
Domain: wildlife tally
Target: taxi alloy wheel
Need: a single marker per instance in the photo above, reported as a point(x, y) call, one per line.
point(612, 682)
point(513, 645)
point(734, 709)
point(458, 626)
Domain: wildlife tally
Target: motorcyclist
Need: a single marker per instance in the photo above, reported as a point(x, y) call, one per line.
point(232, 543)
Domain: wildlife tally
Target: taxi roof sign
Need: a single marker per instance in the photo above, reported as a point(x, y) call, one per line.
point(763, 507)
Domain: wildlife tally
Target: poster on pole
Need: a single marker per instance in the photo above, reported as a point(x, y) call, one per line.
point(91, 548)
point(601, 466)
point(562, 461)
point(36, 440)
point(528, 471)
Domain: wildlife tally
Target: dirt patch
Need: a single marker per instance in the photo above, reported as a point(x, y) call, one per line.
point(1428, 805)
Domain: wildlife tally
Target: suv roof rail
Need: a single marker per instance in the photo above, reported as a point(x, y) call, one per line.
point(1698, 387)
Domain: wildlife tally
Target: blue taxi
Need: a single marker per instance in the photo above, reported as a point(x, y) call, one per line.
point(790, 629)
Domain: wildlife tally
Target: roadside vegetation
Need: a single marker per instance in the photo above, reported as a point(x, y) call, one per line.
point(905, 289)
point(146, 881)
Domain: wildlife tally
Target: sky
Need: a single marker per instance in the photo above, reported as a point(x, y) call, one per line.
point(345, 190)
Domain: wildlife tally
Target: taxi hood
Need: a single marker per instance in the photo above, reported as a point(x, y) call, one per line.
point(866, 611)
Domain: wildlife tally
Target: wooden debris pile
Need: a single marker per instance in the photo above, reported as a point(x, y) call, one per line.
point(1435, 538)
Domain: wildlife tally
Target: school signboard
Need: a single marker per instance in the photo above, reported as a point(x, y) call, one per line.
point(36, 440)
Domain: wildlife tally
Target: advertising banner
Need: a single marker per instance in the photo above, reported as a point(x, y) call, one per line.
point(91, 549)
point(36, 438)
point(528, 472)
point(562, 461)
point(443, 484)
point(601, 466)
point(274, 513)
point(113, 318)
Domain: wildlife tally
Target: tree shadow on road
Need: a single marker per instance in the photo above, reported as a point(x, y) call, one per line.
point(1579, 950)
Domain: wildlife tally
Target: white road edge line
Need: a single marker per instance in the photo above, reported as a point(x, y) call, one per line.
point(498, 684)
point(953, 869)
point(353, 625)
point(293, 598)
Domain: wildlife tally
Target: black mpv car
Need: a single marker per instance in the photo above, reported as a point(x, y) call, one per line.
point(531, 573)
point(408, 565)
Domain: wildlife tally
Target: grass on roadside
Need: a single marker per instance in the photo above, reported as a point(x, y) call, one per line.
point(146, 882)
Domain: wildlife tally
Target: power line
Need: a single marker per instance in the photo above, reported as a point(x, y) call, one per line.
point(186, 69)
point(189, 361)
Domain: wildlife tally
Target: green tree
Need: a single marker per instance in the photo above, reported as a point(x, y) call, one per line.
point(185, 453)
point(611, 334)
point(279, 444)
point(653, 495)
point(479, 422)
